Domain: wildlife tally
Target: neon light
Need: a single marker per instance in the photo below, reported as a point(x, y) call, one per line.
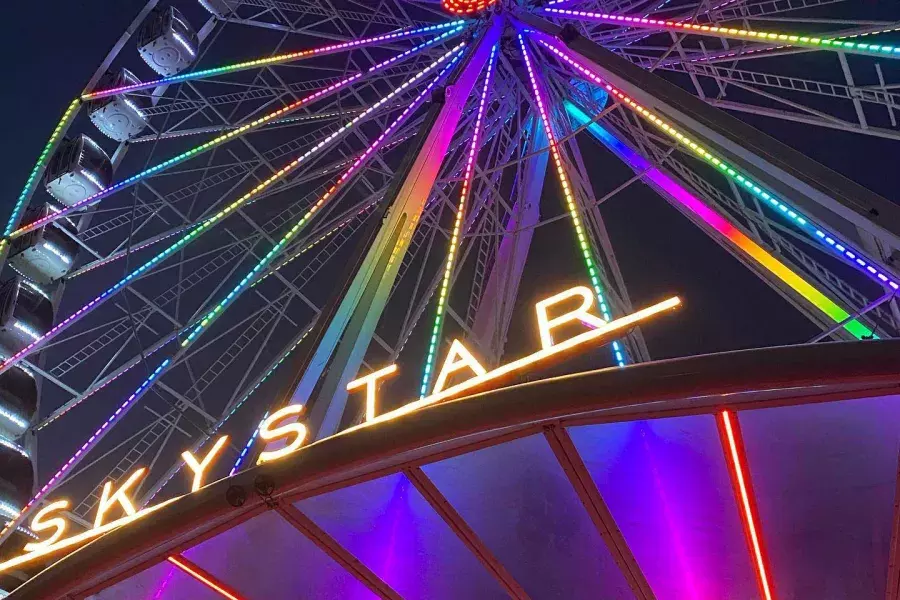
point(13, 418)
point(108, 498)
point(370, 382)
point(204, 225)
point(203, 578)
point(546, 324)
point(8, 509)
point(79, 538)
point(38, 524)
point(464, 193)
point(272, 60)
point(697, 207)
point(608, 329)
point(199, 467)
point(794, 216)
point(801, 41)
point(359, 162)
point(267, 433)
point(13, 446)
point(230, 135)
point(64, 122)
point(743, 490)
point(586, 252)
point(458, 358)
point(466, 7)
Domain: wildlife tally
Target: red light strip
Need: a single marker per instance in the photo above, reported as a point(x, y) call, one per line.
point(734, 450)
point(203, 577)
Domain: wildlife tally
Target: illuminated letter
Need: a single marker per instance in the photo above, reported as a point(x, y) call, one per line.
point(108, 499)
point(371, 383)
point(452, 365)
point(268, 434)
point(199, 468)
point(546, 324)
point(38, 524)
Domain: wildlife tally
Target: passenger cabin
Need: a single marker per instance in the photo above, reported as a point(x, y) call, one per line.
point(120, 117)
point(167, 42)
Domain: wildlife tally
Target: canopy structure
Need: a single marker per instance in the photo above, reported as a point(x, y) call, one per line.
point(755, 474)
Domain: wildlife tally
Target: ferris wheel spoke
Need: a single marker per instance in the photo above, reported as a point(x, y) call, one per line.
point(826, 41)
point(347, 81)
point(582, 242)
point(742, 178)
point(288, 57)
point(212, 315)
point(209, 222)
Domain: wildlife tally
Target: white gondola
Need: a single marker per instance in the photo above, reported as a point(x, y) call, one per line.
point(78, 169)
point(121, 117)
point(167, 42)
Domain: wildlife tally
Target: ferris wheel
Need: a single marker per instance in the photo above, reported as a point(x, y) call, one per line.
point(253, 201)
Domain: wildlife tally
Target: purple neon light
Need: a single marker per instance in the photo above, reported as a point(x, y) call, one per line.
point(94, 198)
point(272, 60)
point(189, 237)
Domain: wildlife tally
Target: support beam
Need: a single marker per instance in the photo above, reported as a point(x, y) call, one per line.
point(338, 553)
point(584, 486)
point(495, 309)
point(344, 343)
point(465, 533)
point(892, 589)
point(824, 194)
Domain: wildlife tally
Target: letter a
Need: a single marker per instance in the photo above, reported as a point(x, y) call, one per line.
point(546, 324)
point(108, 498)
point(38, 524)
point(458, 358)
point(199, 468)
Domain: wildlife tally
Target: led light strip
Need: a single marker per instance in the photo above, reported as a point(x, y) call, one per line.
point(64, 122)
point(94, 198)
point(583, 244)
point(246, 450)
point(826, 239)
point(185, 240)
point(85, 446)
point(743, 491)
point(697, 207)
point(163, 367)
point(345, 176)
point(464, 193)
point(466, 7)
point(800, 41)
point(273, 60)
point(202, 577)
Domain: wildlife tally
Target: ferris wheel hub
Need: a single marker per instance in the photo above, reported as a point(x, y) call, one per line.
point(467, 7)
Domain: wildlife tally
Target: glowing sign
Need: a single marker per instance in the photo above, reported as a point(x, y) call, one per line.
point(283, 425)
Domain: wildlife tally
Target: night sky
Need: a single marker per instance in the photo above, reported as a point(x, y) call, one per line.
point(50, 53)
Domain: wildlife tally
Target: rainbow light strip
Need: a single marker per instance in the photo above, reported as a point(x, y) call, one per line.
point(273, 60)
point(94, 198)
point(332, 191)
point(583, 244)
point(163, 367)
point(800, 41)
point(119, 413)
point(186, 239)
point(846, 251)
point(697, 207)
point(464, 193)
point(21, 201)
point(735, 454)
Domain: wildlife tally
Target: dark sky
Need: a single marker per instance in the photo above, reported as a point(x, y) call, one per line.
point(50, 53)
